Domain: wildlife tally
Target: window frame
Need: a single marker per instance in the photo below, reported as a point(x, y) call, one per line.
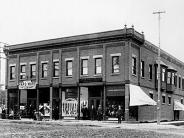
point(55, 69)
point(150, 72)
point(96, 67)
point(169, 100)
point(22, 72)
point(134, 65)
point(12, 74)
point(67, 68)
point(44, 71)
point(31, 70)
point(163, 74)
point(116, 70)
point(163, 99)
point(142, 68)
point(84, 69)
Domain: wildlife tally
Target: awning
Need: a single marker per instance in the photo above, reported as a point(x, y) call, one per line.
point(171, 68)
point(178, 105)
point(139, 97)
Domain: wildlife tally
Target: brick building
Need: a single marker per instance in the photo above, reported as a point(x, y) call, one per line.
point(95, 69)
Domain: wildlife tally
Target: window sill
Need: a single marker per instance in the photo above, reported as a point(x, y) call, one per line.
point(163, 103)
point(83, 75)
point(55, 77)
point(115, 74)
point(142, 77)
point(22, 79)
point(12, 80)
point(134, 75)
point(44, 78)
point(68, 76)
point(150, 79)
point(97, 75)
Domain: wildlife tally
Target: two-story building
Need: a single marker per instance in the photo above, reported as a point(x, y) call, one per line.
point(108, 68)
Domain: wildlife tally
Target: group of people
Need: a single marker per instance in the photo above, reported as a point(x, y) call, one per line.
point(94, 114)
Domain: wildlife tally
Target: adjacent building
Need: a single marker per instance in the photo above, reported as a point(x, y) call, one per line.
point(108, 68)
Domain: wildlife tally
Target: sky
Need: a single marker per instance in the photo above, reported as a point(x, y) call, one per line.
point(23, 21)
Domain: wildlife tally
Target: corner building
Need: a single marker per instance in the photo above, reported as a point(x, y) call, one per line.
point(95, 69)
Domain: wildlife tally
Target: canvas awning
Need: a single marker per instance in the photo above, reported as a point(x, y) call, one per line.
point(178, 105)
point(139, 97)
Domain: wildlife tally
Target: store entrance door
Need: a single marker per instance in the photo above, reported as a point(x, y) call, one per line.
point(95, 101)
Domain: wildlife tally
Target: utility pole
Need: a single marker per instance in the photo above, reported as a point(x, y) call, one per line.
point(158, 70)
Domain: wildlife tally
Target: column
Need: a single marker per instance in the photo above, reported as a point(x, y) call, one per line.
point(78, 77)
point(51, 95)
point(78, 108)
point(51, 83)
point(127, 102)
point(60, 102)
point(18, 78)
point(104, 80)
point(60, 84)
point(37, 82)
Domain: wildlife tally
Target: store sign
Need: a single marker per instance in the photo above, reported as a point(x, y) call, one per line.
point(27, 85)
point(87, 80)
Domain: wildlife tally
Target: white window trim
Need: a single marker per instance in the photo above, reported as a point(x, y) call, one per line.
point(163, 94)
point(10, 65)
point(67, 59)
point(133, 55)
point(151, 92)
point(55, 60)
point(168, 99)
point(32, 63)
point(97, 56)
point(23, 63)
point(44, 61)
point(116, 54)
point(84, 57)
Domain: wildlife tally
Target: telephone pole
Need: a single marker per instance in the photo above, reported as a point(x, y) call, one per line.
point(158, 71)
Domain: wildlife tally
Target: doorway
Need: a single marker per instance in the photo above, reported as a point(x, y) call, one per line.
point(95, 96)
point(176, 115)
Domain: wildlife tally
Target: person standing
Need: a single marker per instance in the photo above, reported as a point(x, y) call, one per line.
point(99, 113)
point(119, 114)
point(93, 112)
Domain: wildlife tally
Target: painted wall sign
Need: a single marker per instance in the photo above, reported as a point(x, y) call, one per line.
point(27, 85)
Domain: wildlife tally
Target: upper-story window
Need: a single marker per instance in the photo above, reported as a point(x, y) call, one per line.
point(98, 65)
point(33, 70)
point(168, 77)
point(183, 83)
point(163, 99)
point(134, 65)
point(173, 78)
point(163, 74)
point(169, 100)
point(115, 64)
point(23, 71)
point(179, 82)
point(12, 72)
point(142, 68)
point(182, 100)
point(151, 94)
point(69, 68)
point(150, 71)
point(44, 69)
point(56, 69)
point(84, 67)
